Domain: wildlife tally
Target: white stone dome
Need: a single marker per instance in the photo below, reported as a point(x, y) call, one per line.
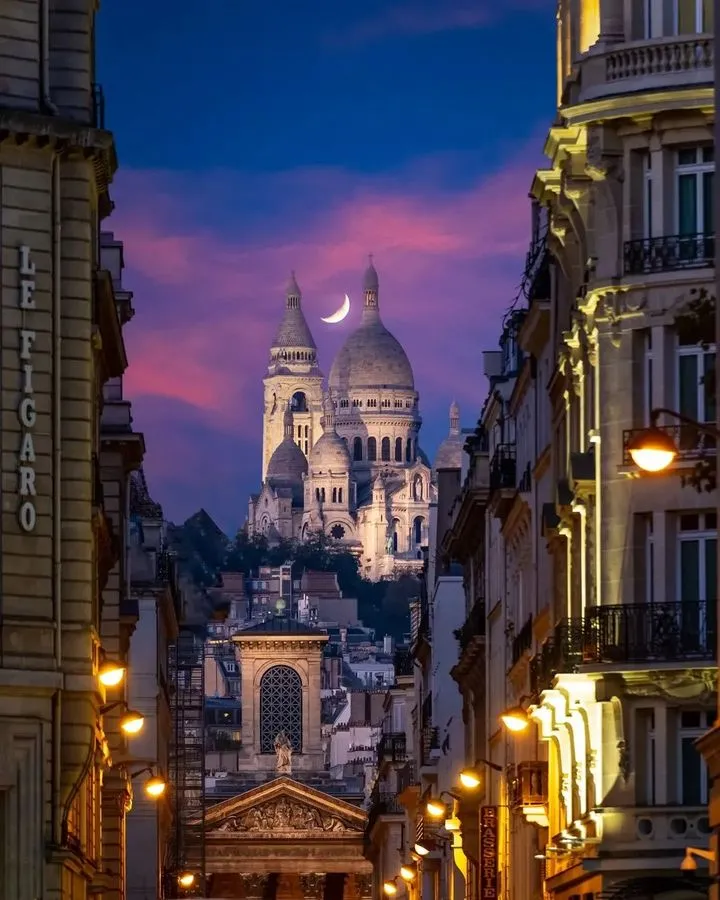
point(371, 357)
point(287, 465)
point(330, 451)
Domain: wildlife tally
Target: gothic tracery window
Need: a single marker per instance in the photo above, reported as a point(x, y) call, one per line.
point(280, 708)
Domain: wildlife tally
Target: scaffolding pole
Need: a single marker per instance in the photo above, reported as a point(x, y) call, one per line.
point(187, 758)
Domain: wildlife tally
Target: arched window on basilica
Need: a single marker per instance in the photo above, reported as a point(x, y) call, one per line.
point(418, 523)
point(372, 449)
point(385, 449)
point(408, 450)
point(395, 535)
point(357, 449)
point(280, 708)
point(398, 449)
point(299, 403)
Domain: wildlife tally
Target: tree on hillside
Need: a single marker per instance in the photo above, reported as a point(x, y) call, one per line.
point(696, 325)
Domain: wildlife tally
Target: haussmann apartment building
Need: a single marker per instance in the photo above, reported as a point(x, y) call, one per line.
point(598, 582)
point(67, 452)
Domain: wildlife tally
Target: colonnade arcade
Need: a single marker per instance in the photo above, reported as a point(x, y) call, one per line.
point(285, 840)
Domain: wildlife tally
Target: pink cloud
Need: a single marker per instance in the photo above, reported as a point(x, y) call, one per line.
point(209, 297)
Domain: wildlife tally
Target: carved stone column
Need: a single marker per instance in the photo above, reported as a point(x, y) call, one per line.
point(313, 886)
point(612, 25)
point(359, 887)
point(254, 885)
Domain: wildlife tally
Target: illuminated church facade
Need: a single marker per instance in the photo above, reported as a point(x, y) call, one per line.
point(343, 457)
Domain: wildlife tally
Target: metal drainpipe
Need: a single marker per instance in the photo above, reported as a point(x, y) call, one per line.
point(57, 510)
point(45, 99)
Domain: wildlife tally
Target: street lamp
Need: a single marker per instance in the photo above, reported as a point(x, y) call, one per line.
point(155, 787)
point(408, 872)
point(390, 888)
point(689, 865)
point(471, 779)
point(515, 718)
point(131, 722)
point(652, 450)
point(111, 672)
point(186, 879)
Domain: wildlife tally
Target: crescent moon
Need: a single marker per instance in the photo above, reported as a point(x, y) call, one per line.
point(339, 314)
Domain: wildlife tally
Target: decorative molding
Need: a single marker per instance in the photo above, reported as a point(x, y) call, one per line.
point(285, 816)
point(313, 885)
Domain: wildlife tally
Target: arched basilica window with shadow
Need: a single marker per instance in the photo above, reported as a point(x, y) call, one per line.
point(280, 708)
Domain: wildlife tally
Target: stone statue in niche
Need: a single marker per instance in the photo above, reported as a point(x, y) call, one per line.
point(283, 754)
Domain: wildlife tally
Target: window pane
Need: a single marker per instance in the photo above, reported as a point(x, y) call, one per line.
point(686, 16)
point(689, 571)
point(708, 24)
point(711, 575)
point(688, 383)
point(708, 203)
point(690, 766)
point(687, 204)
point(708, 387)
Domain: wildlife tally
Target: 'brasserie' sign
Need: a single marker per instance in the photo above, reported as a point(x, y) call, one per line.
point(488, 853)
point(27, 413)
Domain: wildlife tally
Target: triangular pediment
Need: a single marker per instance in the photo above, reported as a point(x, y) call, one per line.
point(284, 808)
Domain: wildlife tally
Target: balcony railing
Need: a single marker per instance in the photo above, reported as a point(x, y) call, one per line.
point(403, 663)
point(430, 742)
point(658, 57)
point(522, 641)
point(692, 443)
point(669, 253)
point(684, 632)
point(383, 804)
point(392, 747)
point(474, 626)
point(503, 468)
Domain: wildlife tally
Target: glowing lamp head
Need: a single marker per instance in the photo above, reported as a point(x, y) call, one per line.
point(652, 450)
point(407, 873)
point(515, 719)
point(155, 787)
point(389, 888)
point(421, 849)
point(470, 779)
point(186, 880)
point(436, 809)
point(111, 674)
point(132, 722)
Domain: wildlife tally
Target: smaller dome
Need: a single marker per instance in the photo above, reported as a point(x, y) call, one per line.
point(330, 452)
point(287, 464)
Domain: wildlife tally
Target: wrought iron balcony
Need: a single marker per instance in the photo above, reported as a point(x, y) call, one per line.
point(522, 640)
point(668, 253)
point(430, 742)
point(683, 632)
point(392, 747)
point(503, 468)
point(383, 804)
point(474, 626)
point(692, 443)
point(403, 663)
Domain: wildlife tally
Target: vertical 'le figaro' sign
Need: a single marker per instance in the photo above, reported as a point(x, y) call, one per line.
point(27, 413)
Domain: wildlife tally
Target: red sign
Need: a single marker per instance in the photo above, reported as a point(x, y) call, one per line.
point(488, 853)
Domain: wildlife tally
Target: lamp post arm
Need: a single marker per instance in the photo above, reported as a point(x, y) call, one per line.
point(491, 765)
point(686, 420)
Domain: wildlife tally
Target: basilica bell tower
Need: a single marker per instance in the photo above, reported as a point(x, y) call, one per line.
point(293, 380)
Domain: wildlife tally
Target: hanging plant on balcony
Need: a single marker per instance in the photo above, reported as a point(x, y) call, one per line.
point(695, 324)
